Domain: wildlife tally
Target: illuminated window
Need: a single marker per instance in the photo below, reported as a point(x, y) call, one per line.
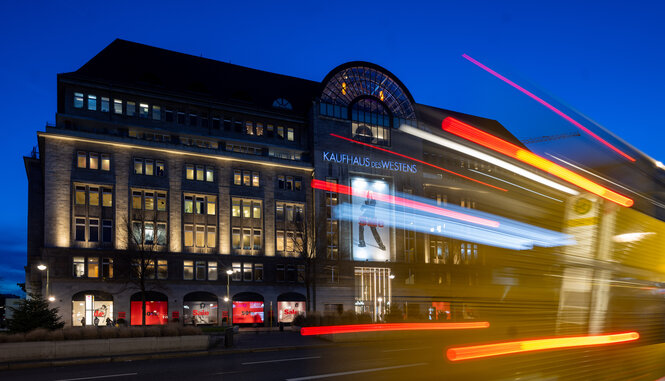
point(80, 195)
point(137, 200)
point(149, 167)
point(290, 135)
point(188, 270)
point(210, 174)
point(200, 236)
point(212, 271)
point(80, 229)
point(107, 197)
point(289, 241)
point(246, 178)
point(159, 168)
point(256, 210)
point(92, 102)
point(94, 160)
point(93, 196)
point(149, 229)
point(161, 202)
point(246, 211)
point(199, 205)
point(255, 179)
point(235, 208)
point(256, 238)
point(138, 166)
point(78, 267)
point(259, 129)
point(131, 108)
point(199, 173)
point(189, 204)
point(247, 272)
point(249, 128)
point(211, 236)
point(162, 269)
point(93, 267)
point(246, 235)
point(93, 230)
point(81, 159)
point(156, 113)
point(78, 100)
point(106, 162)
point(235, 238)
point(280, 240)
point(212, 202)
point(189, 172)
point(104, 106)
point(117, 106)
point(237, 177)
point(236, 271)
point(189, 235)
point(280, 132)
point(161, 234)
point(149, 201)
point(137, 233)
point(258, 272)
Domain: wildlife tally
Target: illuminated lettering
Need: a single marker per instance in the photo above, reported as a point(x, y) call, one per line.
point(363, 161)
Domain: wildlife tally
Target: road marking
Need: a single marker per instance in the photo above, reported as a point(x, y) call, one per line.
point(291, 359)
point(404, 349)
point(355, 372)
point(96, 377)
point(229, 372)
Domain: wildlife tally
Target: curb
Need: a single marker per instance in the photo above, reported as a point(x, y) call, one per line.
point(151, 356)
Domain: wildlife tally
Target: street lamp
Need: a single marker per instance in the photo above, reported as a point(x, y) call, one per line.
point(42, 267)
point(226, 298)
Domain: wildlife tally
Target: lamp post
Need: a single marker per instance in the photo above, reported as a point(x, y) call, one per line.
point(42, 267)
point(227, 297)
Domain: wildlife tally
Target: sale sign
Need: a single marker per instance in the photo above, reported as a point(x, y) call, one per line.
point(248, 312)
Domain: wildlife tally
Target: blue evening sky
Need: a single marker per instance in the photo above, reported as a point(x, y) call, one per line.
point(602, 58)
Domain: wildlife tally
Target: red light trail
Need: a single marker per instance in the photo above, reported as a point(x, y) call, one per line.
point(337, 188)
point(419, 161)
point(510, 347)
point(484, 139)
point(332, 329)
point(549, 106)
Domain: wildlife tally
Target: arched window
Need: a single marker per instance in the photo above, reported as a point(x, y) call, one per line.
point(282, 103)
point(371, 121)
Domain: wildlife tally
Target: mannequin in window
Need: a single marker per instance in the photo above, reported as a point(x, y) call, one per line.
point(367, 218)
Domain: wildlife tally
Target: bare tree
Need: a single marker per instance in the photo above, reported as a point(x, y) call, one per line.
point(145, 243)
point(305, 248)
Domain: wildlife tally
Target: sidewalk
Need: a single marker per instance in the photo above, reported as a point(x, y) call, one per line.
point(246, 341)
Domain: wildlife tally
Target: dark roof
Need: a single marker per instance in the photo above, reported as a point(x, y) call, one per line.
point(149, 68)
point(433, 116)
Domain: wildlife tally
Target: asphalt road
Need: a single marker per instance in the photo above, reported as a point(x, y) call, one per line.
point(387, 360)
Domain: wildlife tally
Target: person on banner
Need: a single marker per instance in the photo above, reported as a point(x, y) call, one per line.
point(368, 218)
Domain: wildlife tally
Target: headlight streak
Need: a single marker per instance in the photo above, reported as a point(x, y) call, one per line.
point(515, 185)
point(419, 161)
point(511, 347)
point(334, 329)
point(549, 106)
point(337, 188)
point(510, 234)
point(484, 139)
point(485, 157)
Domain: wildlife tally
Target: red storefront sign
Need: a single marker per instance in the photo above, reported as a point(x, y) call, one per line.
point(122, 314)
point(175, 314)
point(157, 313)
point(248, 312)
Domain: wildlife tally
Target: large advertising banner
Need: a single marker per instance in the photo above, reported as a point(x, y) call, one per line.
point(289, 310)
point(371, 235)
point(157, 313)
point(247, 312)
